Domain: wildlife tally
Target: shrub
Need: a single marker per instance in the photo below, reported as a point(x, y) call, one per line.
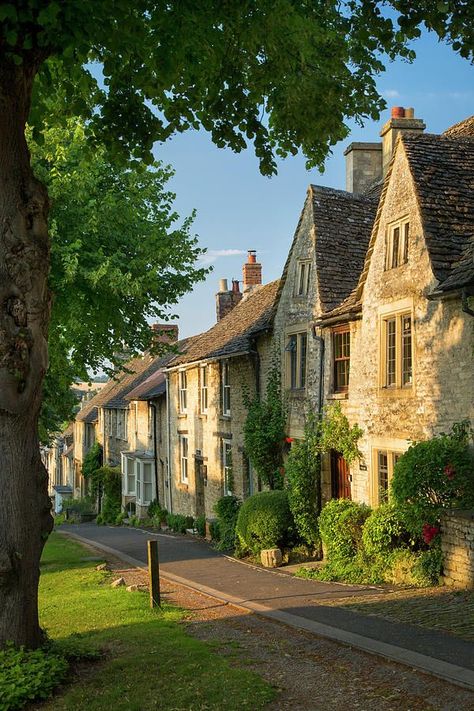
point(27, 676)
point(227, 509)
point(433, 475)
point(265, 521)
point(179, 523)
point(340, 526)
point(92, 462)
point(111, 483)
point(215, 531)
point(200, 525)
point(303, 476)
point(383, 530)
point(157, 514)
point(120, 518)
point(416, 568)
point(79, 506)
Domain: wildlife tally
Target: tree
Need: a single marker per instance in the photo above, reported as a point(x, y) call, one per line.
point(118, 259)
point(283, 74)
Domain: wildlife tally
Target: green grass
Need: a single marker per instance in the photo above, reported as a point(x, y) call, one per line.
point(150, 662)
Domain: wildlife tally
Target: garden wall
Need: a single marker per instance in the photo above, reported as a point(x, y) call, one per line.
point(457, 543)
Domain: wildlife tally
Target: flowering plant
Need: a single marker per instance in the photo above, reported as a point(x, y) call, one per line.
point(429, 532)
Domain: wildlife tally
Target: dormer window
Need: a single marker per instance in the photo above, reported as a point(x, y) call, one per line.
point(303, 278)
point(396, 252)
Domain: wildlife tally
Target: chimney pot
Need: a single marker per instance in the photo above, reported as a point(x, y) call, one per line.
point(409, 113)
point(405, 124)
point(398, 112)
point(223, 285)
point(235, 286)
point(252, 256)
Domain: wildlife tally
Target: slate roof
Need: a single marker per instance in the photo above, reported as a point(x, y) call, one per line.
point(443, 172)
point(233, 334)
point(343, 223)
point(461, 129)
point(139, 369)
point(153, 386)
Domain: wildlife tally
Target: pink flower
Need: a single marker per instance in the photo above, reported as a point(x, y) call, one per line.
point(449, 471)
point(429, 532)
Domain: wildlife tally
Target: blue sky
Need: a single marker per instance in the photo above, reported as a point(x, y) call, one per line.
point(239, 209)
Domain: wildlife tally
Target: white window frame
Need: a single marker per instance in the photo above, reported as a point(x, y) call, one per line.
point(297, 344)
point(225, 385)
point(227, 465)
point(184, 458)
point(397, 243)
point(303, 277)
point(204, 388)
point(129, 464)
point(380, 493)
point(183, 391)
point(141, 483)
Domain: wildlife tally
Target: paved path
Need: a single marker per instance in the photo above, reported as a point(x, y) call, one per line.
point(291, 600)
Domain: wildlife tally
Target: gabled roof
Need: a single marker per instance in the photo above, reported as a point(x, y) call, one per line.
point(461, 129)
point(153, 386)
point(233, 334)
point(139, 369)
point(89, 412)
point(343, 223)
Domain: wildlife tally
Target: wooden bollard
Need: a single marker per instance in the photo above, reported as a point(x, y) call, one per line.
point(154, 573)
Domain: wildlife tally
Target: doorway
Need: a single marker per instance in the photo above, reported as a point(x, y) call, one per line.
point(340, 477)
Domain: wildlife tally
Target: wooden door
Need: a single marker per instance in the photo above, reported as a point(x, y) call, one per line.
point(340, 477)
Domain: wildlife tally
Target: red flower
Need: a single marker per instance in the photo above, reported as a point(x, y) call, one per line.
point(429, 532)
point(449, 471)
point(289, 440)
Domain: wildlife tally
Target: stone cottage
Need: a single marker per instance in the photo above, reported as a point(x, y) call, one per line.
point(206, 386)
point(400, 347)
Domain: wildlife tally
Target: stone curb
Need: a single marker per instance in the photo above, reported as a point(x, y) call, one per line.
point(460, 676)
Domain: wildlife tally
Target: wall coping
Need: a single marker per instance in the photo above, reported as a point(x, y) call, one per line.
point(458, 513)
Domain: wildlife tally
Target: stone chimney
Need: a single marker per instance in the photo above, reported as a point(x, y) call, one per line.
point(252, 272)
point(401, 121)
point(165, 332)
point(363, 166)
point(227, 298)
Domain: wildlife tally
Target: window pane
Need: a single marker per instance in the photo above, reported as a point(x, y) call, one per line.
point(406, 228)
point(301, 279)
point(406, 351)
point(342, 351)
point(147, 473)
point(382, 466)
point(395, 246)
point(303, 348)
point(293, 361)
point(390, 326)
point(308, 275)
point(147, 493)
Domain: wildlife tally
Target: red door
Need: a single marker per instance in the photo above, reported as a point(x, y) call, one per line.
point(340, 477)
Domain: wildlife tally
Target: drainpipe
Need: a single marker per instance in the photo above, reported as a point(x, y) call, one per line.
point(465, 303)
point(322, 347)
point(155, 451)
point(168, 429)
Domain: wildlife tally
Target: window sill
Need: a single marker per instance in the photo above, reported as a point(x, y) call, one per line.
point(396, 392)
point(297, 393)
point(338, 396)
point(203, 415)
point(225, 417)
point(183, 487)
point(182, 415)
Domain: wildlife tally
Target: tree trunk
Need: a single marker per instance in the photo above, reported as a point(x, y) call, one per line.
point(25, 519)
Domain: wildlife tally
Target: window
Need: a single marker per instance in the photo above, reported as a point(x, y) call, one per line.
point(296, 349)
point(397, 351)
point(145, 482)
point(385, 461)
point(183, 391)
point(341, 355)
point(303, 278)
point(183, 448)
point(151, 420)
point(203, 381)
point(396, 252)
point(128, 475)
point(225, 375)
point(121, 429)
point(227, 465)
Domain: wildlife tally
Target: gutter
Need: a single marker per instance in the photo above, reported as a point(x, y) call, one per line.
point(155, 451)
point(168, 436)
point(211, 359)
point(463, 294)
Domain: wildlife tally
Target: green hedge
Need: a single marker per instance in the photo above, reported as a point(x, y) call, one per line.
point(265, 521)
point(227, 510)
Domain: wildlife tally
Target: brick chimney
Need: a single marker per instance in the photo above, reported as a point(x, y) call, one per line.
point(227, 298)
point(165, 332)
point(252, 272)
point(401, 121)
point(363, 166)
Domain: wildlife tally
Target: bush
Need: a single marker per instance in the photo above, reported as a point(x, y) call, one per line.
point(265, 521)
point(92, 462)
point(340, 526)
point(157, 514)
point(79, 506)
point(433, 475)
point(179, 523)
point(111, 482)
point(215, 531)
point(200, 525)
point(27, 676)
point(227, 509)
point(120, 518)
point(383, 530)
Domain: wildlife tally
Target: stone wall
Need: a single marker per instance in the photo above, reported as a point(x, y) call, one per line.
point(443, 344)
point(457, 543)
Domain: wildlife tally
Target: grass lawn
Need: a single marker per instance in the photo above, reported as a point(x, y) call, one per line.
point(150, 662)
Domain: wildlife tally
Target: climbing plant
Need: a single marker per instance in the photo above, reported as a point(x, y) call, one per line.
point(264, 430)
point(92, 462)
point(336, 433)
point(303, 481)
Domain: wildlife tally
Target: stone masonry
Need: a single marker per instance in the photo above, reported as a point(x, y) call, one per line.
point(457, 544)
